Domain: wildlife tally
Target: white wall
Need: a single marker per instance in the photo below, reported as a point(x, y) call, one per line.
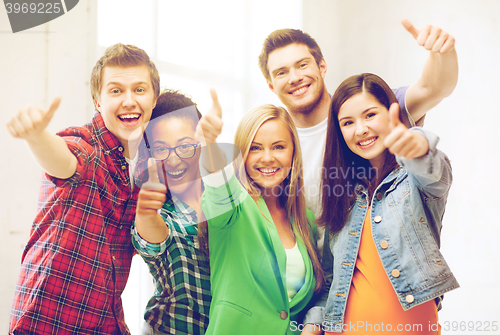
point(36, 65)
point(366, 36)
point(355, 36)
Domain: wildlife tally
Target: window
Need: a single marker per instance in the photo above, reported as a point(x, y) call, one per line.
point(197, 44)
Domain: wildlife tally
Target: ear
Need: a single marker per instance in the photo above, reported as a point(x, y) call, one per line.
point(322, 67)
point(271, 87)
point(97, 106)
point(154, 102)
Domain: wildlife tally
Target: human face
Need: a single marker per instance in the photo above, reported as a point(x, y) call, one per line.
point(364, 123)
point(270, 156)
point(179, 173)
point(296, 78)
point(126, 101)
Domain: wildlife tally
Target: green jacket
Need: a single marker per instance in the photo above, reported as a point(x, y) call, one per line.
point(248, 264)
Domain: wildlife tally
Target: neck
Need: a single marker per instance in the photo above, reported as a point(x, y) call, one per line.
point(378, 163)
point(271, 197)
point(192, 197)
point(315, 115)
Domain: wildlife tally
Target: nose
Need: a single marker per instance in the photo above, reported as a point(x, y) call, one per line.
point(361, 129)
point(173, 160)
point(267, 156)
point(294, 76)
point(129, 100)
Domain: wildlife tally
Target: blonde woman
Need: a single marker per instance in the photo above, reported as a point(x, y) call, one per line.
point(264, 268)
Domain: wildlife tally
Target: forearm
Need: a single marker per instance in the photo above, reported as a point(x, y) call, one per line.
point(438, 80)
point(152, 229)
point(213, 158)
point(53, 155)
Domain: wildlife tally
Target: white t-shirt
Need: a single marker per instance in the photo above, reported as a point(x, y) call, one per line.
point(312, 144)
point(295, 271)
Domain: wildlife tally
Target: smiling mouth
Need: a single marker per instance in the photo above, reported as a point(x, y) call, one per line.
point(268, 171)
point(300, 90)
point(176, 174)
point(129, 117)
point(367, 142)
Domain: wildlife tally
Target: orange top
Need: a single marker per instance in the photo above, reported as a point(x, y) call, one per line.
point(372, 305)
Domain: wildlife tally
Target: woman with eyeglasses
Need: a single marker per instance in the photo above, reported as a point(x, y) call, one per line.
point(170, 232)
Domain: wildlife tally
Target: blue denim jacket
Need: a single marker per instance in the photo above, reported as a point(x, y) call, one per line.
point(406, 217)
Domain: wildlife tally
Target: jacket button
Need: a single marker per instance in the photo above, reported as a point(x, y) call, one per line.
point(120, 149)
point(379, 196)
point(384, 244)
point(377, 219)
point(409, 298)
point(395, 273)
point(283, 315)
point(123, 167)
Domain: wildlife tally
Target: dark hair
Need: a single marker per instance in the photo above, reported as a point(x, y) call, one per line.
point(282, 38)
point(123, 55)
point(353, 168)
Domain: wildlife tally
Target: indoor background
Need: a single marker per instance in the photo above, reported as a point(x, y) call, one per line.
point(198, 44)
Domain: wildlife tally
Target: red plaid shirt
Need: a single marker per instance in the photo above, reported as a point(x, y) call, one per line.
point(77, 260)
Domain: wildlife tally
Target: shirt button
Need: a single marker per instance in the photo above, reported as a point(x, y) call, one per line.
point(114, 258)
point(379, 196)
point(120, 149)
point(124, 167)
point(395, 273)
point(283, 315)
point(384, 244)
point(121, 226)
point(377, 219)
point(409, 298)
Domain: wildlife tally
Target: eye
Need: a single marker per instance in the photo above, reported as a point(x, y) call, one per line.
point(140, 90)
point(160, 149)
point(302, 65)
point(279, 73)
point(346, 123)
point(370, 115)
point(279, 147)
point(115, 91)
point(254, 148)
point(185, 147)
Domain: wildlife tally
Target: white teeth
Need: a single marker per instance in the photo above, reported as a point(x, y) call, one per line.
point(129, 116)
point(176, 173)
point(300, 90)
point(367, 142)
point(268, 170)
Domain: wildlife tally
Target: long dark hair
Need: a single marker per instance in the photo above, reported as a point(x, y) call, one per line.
point(343, 170)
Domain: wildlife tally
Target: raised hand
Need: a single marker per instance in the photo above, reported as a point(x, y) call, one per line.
point(430, 37)
point(401, 141)
point(210, 125)
point(152, 194)
point(31, 121)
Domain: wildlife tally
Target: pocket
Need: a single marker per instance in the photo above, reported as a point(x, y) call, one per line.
point(398, 192)
point(229, 318)
point(236, 307)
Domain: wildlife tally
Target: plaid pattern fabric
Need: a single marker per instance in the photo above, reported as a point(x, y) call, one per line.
point(181, 302)
point(77, 260)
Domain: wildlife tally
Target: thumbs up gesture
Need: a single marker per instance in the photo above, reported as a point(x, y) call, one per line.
point(210, 125)
point(401, 141)
point(31, 121)
point(430, 37)
point(152, 194)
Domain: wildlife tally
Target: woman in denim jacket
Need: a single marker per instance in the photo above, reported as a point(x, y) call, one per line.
point(384, 192)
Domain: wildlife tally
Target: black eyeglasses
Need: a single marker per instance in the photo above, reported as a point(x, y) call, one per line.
point(161, 153)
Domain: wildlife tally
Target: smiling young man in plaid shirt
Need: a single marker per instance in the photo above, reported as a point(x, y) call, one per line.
point(77, 260)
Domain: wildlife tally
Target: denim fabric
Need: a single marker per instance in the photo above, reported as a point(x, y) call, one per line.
point(406, 217)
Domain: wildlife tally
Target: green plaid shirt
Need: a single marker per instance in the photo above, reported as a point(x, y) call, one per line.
point(181, 302)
